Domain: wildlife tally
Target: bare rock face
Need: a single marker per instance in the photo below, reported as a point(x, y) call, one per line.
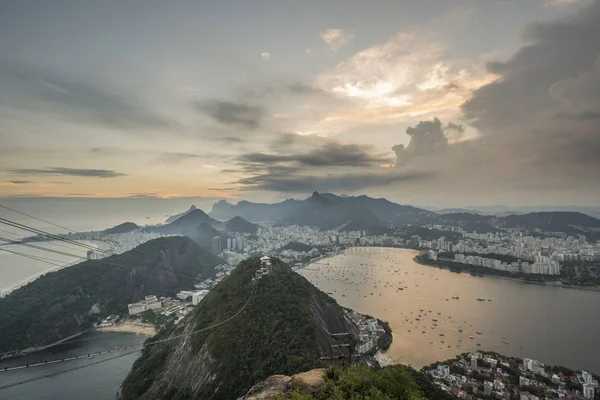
point(275, 385)
point(279, 385)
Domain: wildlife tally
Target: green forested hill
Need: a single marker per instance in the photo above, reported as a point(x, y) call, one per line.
point(282, 329)
point(63, 303)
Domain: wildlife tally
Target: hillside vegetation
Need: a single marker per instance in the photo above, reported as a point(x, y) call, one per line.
point(340, 382)
point(63, 303)
point(282, 329)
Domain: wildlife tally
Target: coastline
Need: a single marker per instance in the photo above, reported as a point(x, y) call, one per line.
point(130, 327)
point(508, 278)
point(7, 291)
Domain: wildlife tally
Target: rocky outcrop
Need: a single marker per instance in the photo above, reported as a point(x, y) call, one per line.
point(280, 385)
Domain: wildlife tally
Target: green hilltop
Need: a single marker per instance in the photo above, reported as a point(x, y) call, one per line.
point(68, 301)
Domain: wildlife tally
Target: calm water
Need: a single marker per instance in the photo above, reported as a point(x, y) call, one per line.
point(553, 325)
point(94, 382)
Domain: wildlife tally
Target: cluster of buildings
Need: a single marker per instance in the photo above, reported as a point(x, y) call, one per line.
point(540, 267)
point(478, 375)
point(183, 302)
point(536, 255)
point(149, 303)
point(370, 331)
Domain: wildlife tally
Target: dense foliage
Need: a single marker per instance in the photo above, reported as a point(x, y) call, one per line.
point(362, 382)
point(276, 333)
point(68, 301)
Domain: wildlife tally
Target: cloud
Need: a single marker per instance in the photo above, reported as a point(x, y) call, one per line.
point(166, 157)
point(232, 114)
point(42, 90)
point(265, 55)
point(425, 138)
point(20, 182)
point(542, 108)
point(328, 155)
point(455, 127)
point(406, 77)
point(289, 182)
point(336, 38)
point(88, 173)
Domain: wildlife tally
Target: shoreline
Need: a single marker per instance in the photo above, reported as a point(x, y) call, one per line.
point(508, 278)
point(7, 291)
point(138, 328)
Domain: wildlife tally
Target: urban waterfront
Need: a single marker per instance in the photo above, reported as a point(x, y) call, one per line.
point(99, 379)
point(551, 324)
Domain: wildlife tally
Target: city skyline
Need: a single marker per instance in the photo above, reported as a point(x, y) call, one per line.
point(445, 104)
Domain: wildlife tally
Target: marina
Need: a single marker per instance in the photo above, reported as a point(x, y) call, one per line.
point(512, 325)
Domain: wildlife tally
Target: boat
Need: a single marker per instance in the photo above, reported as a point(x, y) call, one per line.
point(441, 333)
point(460, 330)
point(471, 337)
point(431, 341)
point(434, 319)
point(478, 332)
point(480, 299)
point(503, 337)
point(479, 344)
point(460, 340)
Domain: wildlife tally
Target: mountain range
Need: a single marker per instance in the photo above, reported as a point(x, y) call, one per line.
point(326, 211)
point(356, 213)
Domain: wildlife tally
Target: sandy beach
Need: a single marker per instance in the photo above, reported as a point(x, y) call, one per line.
point(131, 327)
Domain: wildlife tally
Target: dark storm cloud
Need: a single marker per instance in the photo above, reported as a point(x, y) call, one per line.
point(425, 138)
point(544, 105)
point(328, 155)
point(44, 90)
point(302, 183)
point(234, 114)
point(451, 126)
point(324, 167)
point(88, 173)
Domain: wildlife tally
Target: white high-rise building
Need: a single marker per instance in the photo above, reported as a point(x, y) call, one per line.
point(587, 377)
point(588, 391)
point(228, 243)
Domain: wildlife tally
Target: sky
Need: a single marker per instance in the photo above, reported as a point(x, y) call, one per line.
point(441, 103)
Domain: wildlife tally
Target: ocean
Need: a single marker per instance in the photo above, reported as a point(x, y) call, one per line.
point(78, 215)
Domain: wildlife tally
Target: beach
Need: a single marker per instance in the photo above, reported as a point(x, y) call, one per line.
point(138, 328)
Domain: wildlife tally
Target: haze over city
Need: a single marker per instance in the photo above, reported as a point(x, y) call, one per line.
point(439, 103)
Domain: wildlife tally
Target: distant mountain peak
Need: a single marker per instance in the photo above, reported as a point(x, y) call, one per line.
point(177, 216)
